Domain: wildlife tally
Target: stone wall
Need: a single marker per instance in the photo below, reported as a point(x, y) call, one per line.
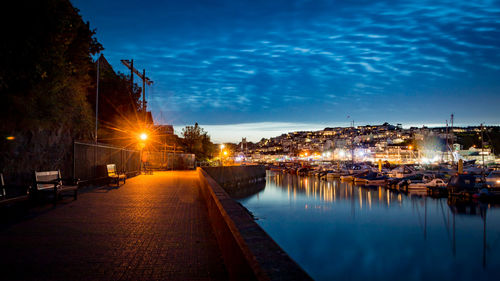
point(248, 252)
point(233, 178)
point(36, 150)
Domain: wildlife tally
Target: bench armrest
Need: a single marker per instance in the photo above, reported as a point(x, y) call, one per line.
point(71, 181)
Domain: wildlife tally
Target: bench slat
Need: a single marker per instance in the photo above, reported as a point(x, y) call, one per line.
point(43, 184)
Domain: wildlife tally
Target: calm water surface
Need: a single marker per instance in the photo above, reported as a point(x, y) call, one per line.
point(339, 231)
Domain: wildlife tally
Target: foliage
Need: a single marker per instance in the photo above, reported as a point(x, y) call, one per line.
point(197, 141)
point(491, 139)
point(46, 60)
point(115, 99)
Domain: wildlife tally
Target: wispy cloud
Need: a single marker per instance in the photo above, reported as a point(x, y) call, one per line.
point(260, 55)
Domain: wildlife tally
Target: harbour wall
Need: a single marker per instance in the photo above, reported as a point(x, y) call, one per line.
point(248, 251)
point(234, 179)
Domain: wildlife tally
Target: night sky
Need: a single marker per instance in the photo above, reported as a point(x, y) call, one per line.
point(284, 65)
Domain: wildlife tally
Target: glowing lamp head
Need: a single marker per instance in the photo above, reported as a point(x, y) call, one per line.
point(225, 153)
point(222, 146)
point(342, 153)
point(143, 136)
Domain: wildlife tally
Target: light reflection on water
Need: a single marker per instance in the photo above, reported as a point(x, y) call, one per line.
point(340, 231)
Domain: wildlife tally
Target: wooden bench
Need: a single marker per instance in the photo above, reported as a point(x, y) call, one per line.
point(51, 182)
point(7, 196)
point(114, 176)
point(148, 168)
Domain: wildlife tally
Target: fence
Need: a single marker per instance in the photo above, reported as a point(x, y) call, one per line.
point(90, 160)
point(170, 161)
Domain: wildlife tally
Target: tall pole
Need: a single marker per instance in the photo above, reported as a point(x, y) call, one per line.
point(144, 92)
point(352, 144)
point(446, 138)
point(132, 80)
point(451, 131)
point(131, 75)
point(482, 145)
point(96, 116)
point(97, 99)
point(145, 81)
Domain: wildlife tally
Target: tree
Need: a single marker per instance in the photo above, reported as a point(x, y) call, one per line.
point(197, 141)
point(45, 67)
point(46, 57)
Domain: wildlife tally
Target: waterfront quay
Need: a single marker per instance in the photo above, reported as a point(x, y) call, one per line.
point(176, 225)
point(152, 228)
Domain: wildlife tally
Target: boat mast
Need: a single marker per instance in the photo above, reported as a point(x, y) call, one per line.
point(352, 144)
point(482, 145)
point(446, 141)
point(452, 141)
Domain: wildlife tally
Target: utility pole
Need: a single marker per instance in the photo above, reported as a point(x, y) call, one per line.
point(131, 77)
point(144, 91)
point(145, 80)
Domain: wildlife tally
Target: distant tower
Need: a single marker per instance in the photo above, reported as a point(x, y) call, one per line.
point(244, 145)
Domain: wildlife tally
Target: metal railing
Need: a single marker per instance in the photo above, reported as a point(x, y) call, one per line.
point(170, 161)
point(90, 160)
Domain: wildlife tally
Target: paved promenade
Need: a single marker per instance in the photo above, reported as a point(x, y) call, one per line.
point(155, 227)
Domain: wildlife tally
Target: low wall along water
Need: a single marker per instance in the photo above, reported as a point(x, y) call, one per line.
point(231, 178)
point(248, 252)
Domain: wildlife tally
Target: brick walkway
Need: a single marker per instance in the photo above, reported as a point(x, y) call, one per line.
point(152, 228)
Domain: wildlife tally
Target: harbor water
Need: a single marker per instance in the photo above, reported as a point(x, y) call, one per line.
point(340, 231)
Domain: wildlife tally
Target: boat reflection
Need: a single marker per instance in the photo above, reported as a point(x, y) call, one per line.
point(426, 210)
point(334, 190)
point(465, 207)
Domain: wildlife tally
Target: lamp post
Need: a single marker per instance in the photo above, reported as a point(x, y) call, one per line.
point(221, 148)
point(142, 138)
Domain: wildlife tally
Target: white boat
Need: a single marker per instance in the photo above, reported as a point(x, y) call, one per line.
point(402, 171)
point(493, 179)
point(377, 181)
point(347, 178)
point(333, 175)
point(424, 185)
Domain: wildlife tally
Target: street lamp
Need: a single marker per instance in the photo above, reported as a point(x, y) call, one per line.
point(221, 148)
point(142, 138)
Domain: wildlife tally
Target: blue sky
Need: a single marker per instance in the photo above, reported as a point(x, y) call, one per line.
point(308, 63)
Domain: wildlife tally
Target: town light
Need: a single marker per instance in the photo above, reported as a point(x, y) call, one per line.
point(221, 148)
point(225, 153)
point(342, 153)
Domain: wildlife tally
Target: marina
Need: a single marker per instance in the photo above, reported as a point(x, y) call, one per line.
point(339, 230)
